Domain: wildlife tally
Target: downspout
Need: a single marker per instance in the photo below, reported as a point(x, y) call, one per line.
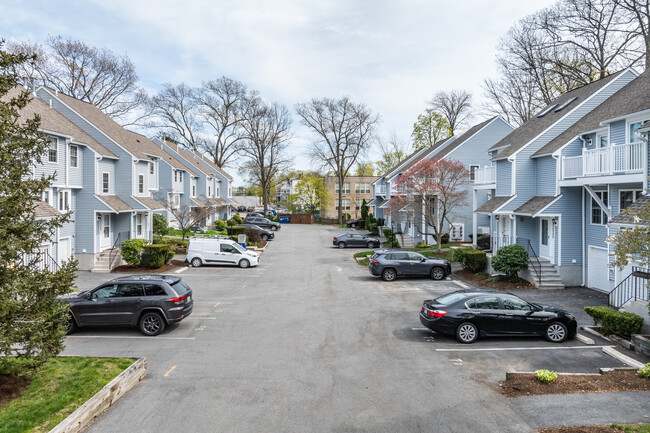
point(584, 228)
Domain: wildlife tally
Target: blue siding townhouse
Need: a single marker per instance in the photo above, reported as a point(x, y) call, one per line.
point(470, 149)
point(527, 204)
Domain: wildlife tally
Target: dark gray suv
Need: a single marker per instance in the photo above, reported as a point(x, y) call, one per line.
point(354, 240)
point(390, 264)
point(147, 301)
point(265, 223)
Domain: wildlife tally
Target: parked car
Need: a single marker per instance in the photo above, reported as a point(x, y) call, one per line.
point(197, 229)
point(256, 214)
point(250, 209)
point(355, 240)
point(271, 213)
point(264, 233)
point(241, 208)
point(390, 264)
point(150, 302)
point(353, 223)
point(220, 251)
point(263, 222)
point(468, 314)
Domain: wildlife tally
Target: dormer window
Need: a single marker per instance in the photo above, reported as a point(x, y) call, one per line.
point(547, 110)
point(566, 104)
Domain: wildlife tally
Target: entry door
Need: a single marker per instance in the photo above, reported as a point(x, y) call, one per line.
point(547, 239)
point(64, 250)
point(105, 232)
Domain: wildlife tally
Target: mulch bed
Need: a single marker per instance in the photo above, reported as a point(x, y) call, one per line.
point(130, 269)
point(618, 380)
point(581, 429)
point(12, 387)
point(480, 280)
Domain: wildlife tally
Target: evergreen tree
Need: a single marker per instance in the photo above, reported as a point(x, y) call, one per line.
point(31, 318)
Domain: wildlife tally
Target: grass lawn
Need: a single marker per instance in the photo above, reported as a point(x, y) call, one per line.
point(57, 390)
point(364, 253)
point(633, 428)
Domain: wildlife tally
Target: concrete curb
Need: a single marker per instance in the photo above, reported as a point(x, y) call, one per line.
point(594, 332)
point(105, 398)
point(623, 358)
point(585, 340)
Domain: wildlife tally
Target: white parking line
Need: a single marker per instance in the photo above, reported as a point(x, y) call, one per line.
point(461, 284)
point(131, 337)
point(181, 270)
point(420, 329)
point(200, 318)
point(505, 349)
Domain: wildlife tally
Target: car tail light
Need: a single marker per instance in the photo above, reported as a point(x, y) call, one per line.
point(436, 313)
point(375, 261)
point(334, 239)
point(177, 299)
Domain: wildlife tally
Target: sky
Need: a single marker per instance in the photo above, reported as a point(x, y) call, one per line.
point(390, 55)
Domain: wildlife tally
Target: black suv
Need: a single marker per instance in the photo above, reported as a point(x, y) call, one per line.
point(265, 223)
point(264, 233)
point(147, 301)
point(390, 264)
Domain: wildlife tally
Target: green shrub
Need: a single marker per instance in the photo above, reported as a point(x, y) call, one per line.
point(237, 219)
point(510, 260)
point(484, 242)
point(363, 254)
point(615, 322)
point(645, 371)
point(475, 261)
point(545, 376)
point(423, 246)
point(220, 225)
point(458, 254)
point(445, 238)
point(154, 256)
point(236, 230)
point(387, 232)
point(210, 232)
point(160, 226)
point(132, 250)
point(380, 222)
point(373, 228)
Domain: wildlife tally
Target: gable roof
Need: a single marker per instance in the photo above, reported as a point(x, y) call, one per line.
point(136, 144)
point(632, 98)
point(461, 139)
point(115, 203)
point(213, 165)
point(494, 204)
point(537, 124)
point(420, 153)
point(627, 216)
point(188, 156)
point(534, 205)
point(45, 210)
point(55, 122)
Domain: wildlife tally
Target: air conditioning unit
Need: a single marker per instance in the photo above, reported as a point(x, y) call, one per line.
point(457, 232)
point(484, 230)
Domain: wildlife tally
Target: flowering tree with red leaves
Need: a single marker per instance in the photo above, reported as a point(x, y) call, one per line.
point(434, 188)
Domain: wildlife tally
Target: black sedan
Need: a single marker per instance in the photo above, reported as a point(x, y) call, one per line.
point(354, 240)
point(353, 223)
point(390, 264)
point(468, 314)
point(264, 233)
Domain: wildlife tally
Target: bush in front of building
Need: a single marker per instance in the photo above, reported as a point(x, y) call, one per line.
point(616, 322)
point(236, 230)
point(220, 225)
point(474, 261)
point(132, 251)
point(154, 256)
point(510, 260)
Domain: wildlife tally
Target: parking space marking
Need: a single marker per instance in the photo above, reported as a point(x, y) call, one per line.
point(181, 270)
point(200, 318)
point(243, 287)
point(216, 305)
point(170, 370)
point(456, 361)
point(505, 349)
point(156, 338)
point(461, 284)
point(420, 329)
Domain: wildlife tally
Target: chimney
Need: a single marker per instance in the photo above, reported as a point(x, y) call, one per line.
point(50, 102)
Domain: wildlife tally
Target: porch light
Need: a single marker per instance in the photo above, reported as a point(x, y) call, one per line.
point(99, 217)
point(146, 214)
point(554, 221)
point(496, 217)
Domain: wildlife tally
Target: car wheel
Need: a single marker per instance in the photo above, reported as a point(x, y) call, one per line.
point(389, 275)
point(196, 262)
point(341, 245)
point(467, 333)
point(265, 238)
point(243, 263)
point(70, 325)
point(556, 332)
point(152, 324)
point(352, 225)
point(370, 244)
point(437, 273)
point(273, 228)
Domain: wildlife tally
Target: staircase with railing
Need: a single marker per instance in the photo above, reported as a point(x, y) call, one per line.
point(533, 259)
point(42, 260)
point(633, 288)
point(110, 258)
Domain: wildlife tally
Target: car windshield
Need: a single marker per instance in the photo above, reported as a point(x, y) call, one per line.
point(449, 298)
point(239, 248)
point(180, 287)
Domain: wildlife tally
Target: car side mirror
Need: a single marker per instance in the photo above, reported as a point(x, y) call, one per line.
point(423, 259)
point(88, 295)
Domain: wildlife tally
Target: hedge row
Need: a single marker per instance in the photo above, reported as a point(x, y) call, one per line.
point(472, 260)
point(615, 322)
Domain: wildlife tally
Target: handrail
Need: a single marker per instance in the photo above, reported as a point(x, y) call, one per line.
point(634, 286)
point(43, 260)
point(532, 257)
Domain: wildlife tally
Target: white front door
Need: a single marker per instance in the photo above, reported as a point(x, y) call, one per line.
point(64, 249)
point(547, 240)
point(104, 228)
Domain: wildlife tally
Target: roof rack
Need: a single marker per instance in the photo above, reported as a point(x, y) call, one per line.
point(204, 236)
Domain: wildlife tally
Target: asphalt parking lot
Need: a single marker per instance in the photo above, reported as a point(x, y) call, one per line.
point(310, 341)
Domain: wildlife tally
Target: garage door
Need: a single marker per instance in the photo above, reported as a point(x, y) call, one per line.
point(598, 273)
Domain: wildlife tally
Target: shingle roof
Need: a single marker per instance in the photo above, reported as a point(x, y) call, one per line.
point(461, 139)
point(632, 98)
point(423, 151)
point(191, 158)
point(534, 205)
point(44, 210)
point(530, 129)
point(150, 202)
point(214, 166)
point(137, 144)
point(55, 122)
point(218, 202)
point(627, 216)
point(493, 204)
point(114, 202)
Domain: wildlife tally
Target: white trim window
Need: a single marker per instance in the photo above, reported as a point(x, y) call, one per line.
point(174, 200)
point(217, 192)
point(209, 191)
point(598, 216)
point(47, 196)
point(602, 140)
point(193, 190)
point(358, 202)
point(627, 197)
point(345, 204)
point(152, 168)
point(361, 188)
point(53, 151)
point(74, 156)
point(141, 184)
point(106, 183)
point(472, 171)
point(175, 175)
point(64, 201)
point(138, 224)
point(346, 188)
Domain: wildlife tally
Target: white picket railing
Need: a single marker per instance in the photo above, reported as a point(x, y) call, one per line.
point(485, 175)
point(380, 190)
point(616, 159)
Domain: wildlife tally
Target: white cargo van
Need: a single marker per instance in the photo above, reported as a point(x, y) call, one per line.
point(219, 251)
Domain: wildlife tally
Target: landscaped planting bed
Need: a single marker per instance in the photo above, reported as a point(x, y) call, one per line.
point(630, 428)
point(519, 385)
point(129, 269)
point(54, 392)
point(482, 281)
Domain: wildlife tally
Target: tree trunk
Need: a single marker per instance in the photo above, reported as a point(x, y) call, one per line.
point(438, 241)
point(340, 199)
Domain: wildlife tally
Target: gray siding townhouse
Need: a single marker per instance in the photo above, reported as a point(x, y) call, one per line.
point(526, 205)
point(118, 190)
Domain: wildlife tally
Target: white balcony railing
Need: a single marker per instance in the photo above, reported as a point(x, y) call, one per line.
point(485, 175)
point(380, 190)
point(626, 158)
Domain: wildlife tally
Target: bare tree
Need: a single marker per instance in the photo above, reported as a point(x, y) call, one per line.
point(224, 108)
point(392, 151)
point(184, 215)
point(175, 112)
point(638, 12)
point(514, 97)
point(98, 76)
point(454, 105)
point(267, 129)
point(345, 131)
